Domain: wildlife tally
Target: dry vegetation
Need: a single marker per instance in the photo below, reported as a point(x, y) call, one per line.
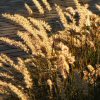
point(60, 66)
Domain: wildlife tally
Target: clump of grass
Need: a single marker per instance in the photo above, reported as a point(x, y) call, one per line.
point(57, 66)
